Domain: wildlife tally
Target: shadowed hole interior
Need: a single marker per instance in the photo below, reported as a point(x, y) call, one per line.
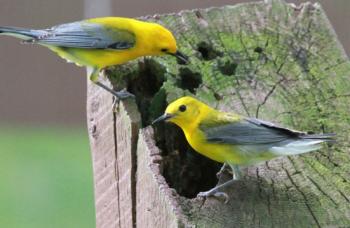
point(184, 169)
point(146, 84)
point(258, 50)
point(189, 80)
point(207, 51)
point(227, 67)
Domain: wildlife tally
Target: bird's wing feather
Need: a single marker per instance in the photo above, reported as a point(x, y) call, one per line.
point(247, 131)
point(87, 35)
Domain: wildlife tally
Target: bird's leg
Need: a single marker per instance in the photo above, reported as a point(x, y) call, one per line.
point(236, 172)
point(222, 170)
point(118, 95)
point(215, 191)
point(121, 95)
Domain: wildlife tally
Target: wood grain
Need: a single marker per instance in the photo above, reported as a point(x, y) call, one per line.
point(267, 59)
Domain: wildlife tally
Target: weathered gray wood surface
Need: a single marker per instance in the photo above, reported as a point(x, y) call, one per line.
point(267, 59)
point(113, 143)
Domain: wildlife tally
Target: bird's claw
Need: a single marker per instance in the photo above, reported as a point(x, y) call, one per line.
point(120, 95)
point(221, 171)
point(221, 195)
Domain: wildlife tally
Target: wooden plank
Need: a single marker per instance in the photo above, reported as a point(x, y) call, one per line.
point(127, 124)
point(113, 139)
point(156, 205)
point(102, 142)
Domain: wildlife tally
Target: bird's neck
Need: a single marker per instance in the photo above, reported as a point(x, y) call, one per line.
point(203, 114)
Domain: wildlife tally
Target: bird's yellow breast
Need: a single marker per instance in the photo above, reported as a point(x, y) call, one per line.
point(96, 58)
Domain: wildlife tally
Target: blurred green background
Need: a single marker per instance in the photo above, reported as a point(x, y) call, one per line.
point(46, 178)
point(45, 160)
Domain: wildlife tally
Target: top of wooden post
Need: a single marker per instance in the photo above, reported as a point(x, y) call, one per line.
point(268, 59)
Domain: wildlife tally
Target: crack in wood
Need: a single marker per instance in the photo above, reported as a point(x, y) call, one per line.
point(269, 93)
point(116, 168)
point(304, 197)
point(323, 192)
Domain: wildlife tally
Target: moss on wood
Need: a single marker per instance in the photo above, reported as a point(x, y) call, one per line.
point(268, 60)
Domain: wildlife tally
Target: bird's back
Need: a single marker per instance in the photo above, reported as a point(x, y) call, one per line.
point(228, 138)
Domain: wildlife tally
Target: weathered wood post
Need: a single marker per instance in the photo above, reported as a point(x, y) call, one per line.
point(267, 59)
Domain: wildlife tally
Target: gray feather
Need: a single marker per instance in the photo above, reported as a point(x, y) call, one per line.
point(78, 35)
point(22, 33)
point(249, 132)
point(253, 135)
point(88, 35)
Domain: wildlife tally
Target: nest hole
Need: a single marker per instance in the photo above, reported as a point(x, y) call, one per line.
point(207, 51)
point(227, 67)
point(189, 80)
point(259, 50)
point(184, 169)
point(147, 83)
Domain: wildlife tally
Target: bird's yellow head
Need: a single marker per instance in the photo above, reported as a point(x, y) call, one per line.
point(164, 42)
point(184, 112)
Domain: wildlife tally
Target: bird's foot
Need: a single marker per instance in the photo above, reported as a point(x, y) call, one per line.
point(118, 96)
point(123, 94)
point(214, 193)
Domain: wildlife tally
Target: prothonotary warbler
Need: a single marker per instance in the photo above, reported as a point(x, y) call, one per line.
point(236, 140)
point(100, 42)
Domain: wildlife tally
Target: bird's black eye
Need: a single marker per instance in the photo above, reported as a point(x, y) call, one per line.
point(164, 50)
point(182, 108)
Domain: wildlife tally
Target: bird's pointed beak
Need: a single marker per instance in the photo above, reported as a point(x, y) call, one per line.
point(183, 59)
point(164, 117)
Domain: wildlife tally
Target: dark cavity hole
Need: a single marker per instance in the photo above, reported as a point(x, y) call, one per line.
point(184, 169)
point(217, 96)
point(207, 51)
point(301, 56)
point(189, 80)
point(259, 50)
point(227, 67)
point(145, 85)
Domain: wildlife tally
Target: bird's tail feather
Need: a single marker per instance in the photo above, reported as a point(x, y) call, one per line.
point(21, 33)
point(306, 144)
point(324, 137)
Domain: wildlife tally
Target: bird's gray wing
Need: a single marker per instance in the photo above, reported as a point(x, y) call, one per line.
point(249, 131)
point(86, 35)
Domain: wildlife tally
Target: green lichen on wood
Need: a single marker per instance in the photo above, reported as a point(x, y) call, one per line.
point(275, 62)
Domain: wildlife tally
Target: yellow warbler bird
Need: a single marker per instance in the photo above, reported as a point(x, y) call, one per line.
point(100, 42)
point(236, 140)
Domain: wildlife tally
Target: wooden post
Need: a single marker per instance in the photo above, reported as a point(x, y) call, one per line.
point(268, 59)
